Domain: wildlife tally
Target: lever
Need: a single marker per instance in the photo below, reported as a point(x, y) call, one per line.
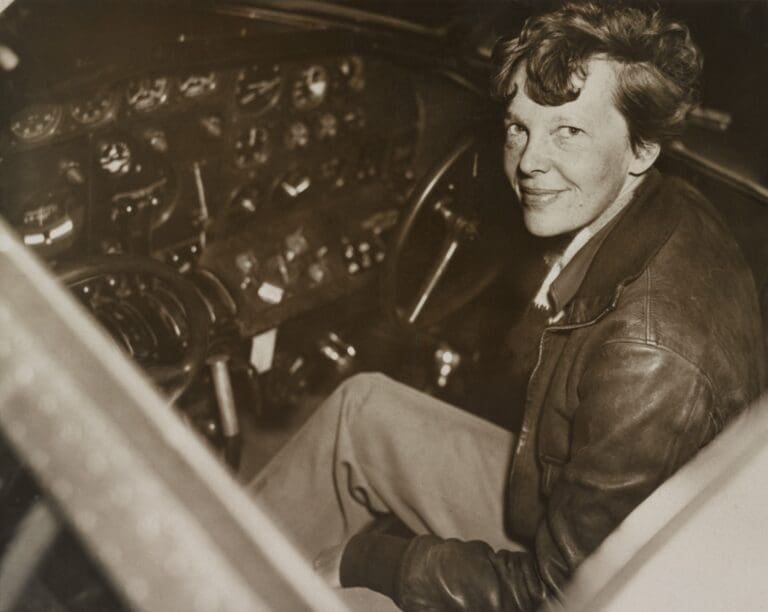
point(230, 426)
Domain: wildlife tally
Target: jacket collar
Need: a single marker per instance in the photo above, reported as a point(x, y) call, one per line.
point(642, 229)
point(567, 283)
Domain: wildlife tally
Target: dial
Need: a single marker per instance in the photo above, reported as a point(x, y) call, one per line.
point(50, 218)
point(36, 123)
point(258, 87)
point(310, 89)
point(42, 216)
point(327, 126)
point(95, 109)
point(196, 85)
point(115, 157)
point(297, 136)
point(147, 94)
point(253, 146)
point(352, 72)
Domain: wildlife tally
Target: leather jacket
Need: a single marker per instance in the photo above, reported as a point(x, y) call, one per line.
point(659, 348)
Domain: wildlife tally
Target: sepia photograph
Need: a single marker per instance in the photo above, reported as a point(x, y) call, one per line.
point(380, 305)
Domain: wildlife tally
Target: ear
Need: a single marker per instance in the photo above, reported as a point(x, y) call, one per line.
point(643, 158)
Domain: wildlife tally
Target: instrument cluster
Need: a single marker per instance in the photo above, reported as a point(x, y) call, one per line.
point(207, 148)
point(39, 124)
point(256, 89)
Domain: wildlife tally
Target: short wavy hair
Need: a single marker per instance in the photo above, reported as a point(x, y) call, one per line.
point(657, 84)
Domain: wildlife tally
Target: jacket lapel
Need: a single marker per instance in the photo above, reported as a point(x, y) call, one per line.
point(641, 231)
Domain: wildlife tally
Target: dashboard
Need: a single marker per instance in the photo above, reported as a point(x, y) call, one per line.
point(281, 177)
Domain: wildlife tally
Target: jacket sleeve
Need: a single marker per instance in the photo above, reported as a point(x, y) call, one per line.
point(643, 412)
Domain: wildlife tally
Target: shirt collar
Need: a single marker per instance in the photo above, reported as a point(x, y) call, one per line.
point(568, 272)
point(567, 283)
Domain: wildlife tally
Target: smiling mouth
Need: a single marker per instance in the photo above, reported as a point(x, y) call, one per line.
point(539, 197)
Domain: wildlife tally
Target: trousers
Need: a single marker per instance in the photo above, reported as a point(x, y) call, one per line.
point(376, 446)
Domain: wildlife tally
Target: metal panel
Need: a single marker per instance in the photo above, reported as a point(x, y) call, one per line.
point(168, 524)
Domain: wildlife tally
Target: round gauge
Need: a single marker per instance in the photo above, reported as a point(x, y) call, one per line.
point(36, 123)
point(352, 72)
point(94, 109)
point(50, 219)
point(327, 126)
point(310, 88)
point(297, 136)
point(43, 216)
point(258, 87)
point(195, 85)
point(147, 94)
point(115, 157)
point(252, 147)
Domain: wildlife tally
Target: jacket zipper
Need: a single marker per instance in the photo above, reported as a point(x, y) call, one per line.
point(526, 417)
point(570, 327)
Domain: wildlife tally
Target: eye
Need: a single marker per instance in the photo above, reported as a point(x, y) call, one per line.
point(569, 131)
point(515, 130)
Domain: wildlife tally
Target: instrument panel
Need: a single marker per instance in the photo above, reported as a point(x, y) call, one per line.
point(255, 89)
point(183, 165)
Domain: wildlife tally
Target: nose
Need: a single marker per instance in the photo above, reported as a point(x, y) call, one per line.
point(535, 157)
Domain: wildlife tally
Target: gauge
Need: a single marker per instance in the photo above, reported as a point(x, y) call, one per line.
point(258, 87)
point(94, 109)
point(253, 146)
point(36, 123)
point(212, 125)
point(327, 126)
point(115, 157)
point(42, 216)
point(147, 94)
point(297, 136)
point(195, 85)
point(310, 88)
point(50, 219)
point(352, 72)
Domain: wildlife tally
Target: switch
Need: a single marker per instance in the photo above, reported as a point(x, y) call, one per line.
point(317, 272)
point(296, 243)
point(271, 293)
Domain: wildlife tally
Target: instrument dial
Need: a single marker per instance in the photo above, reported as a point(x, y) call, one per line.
point(196, 85)
point(50, 218)
point(327, 126)
point(253, 146)
point(297, 136)
point(36, 123)
point(258, 87)
point(310, 89)
point(352, 72)
point(147, 94)
point(115, 157)
point(95, 109)
point(42, 216)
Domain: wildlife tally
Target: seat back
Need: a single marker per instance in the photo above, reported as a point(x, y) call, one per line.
point(744, 209)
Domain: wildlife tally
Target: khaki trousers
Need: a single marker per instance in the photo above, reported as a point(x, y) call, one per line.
point(376, 446)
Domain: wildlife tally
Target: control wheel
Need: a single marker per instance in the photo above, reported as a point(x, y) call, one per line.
point(150, 309)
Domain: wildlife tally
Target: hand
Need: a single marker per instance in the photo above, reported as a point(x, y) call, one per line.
point(328, 564)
